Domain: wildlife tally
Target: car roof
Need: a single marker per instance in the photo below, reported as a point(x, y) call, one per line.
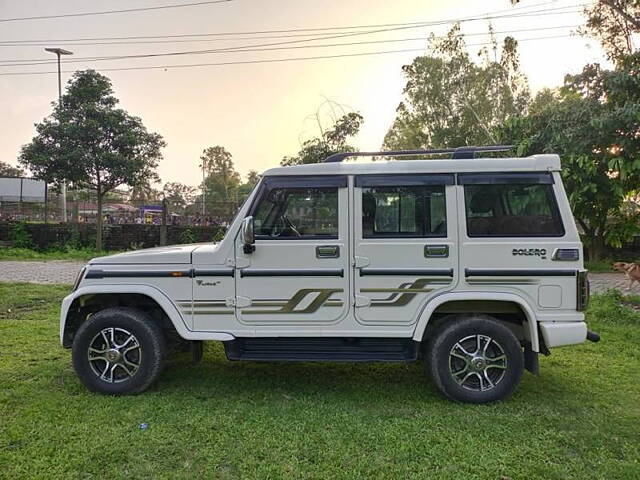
point(534, 163)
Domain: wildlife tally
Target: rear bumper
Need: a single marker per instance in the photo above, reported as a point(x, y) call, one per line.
point(557, 334)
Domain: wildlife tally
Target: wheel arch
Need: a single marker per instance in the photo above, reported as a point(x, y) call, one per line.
point(104, 296)
point(436, 305)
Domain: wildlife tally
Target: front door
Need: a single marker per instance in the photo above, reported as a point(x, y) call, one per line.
point(296, 281)
point(405, 245)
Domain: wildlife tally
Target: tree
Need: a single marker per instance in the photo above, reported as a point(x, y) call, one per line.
point(7, 170)
point(91, 143)
point(252, 178)
point(333, 140)
point(593, 123)
point(222, 180)
point(178, 196)
point(451, 100)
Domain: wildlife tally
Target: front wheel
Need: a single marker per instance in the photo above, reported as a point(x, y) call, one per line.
point(118, 351)
point(475, 359)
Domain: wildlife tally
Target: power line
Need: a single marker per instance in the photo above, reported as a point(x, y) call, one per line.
point(369, 42)
point(109, 12)
point(259, 32)
point(275, 60)
point(411, 25)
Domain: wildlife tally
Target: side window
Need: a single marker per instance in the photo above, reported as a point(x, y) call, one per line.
point(512, 210)
point(297, 213)
point(412, 211)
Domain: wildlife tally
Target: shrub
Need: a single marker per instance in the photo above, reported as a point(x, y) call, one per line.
point(20, 237)
point(187, 236)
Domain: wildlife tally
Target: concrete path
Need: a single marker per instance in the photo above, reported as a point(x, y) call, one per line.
point(58, 271)
point(54, 271)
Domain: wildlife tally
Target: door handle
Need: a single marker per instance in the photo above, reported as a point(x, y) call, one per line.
point(327, 251)
point(436, 251)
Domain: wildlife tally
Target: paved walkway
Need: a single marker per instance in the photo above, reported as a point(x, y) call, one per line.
point(58, 271)
point(54, 271)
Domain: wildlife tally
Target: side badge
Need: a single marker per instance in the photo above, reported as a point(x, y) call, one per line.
point(202, 283)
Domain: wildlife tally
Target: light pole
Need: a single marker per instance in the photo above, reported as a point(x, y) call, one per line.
point(59, 52)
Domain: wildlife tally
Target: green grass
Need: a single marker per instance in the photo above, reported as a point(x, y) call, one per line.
point(579, 419)
point(599, 266)
point(81, 254)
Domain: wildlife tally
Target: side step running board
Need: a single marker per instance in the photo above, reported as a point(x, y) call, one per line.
point(325, 349)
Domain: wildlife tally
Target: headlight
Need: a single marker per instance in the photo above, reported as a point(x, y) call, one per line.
point(79, 278)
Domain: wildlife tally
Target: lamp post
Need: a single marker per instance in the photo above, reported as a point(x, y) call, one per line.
point(59, 52)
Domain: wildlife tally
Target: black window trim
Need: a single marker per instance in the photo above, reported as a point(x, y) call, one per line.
point(400, 235)
point(506, 178)
point(404, 180)
point(554, 207)
point(298, 182)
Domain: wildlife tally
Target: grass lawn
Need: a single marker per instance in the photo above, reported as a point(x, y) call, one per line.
point(579, 419)
point(82, 254)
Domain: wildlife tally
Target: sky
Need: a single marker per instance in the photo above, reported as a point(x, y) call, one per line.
point(259, 112)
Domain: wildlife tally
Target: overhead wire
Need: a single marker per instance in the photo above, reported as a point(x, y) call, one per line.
point(261, 61)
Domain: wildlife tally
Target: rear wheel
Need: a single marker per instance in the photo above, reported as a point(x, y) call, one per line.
point(475, 359)
point(118, 351)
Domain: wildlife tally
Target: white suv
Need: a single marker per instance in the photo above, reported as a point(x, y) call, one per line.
point(472, 264)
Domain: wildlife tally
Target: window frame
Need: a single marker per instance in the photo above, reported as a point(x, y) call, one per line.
point(405, 181)
point(296, 183)
point(507, 180)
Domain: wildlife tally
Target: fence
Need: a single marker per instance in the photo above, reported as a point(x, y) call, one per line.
point(115, 237)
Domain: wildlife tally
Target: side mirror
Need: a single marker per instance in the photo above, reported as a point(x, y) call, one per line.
point(248, 237)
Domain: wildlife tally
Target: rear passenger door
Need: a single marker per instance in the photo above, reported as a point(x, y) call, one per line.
point(405, 245)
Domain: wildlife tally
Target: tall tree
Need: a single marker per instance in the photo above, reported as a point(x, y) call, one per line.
point(222, 179)
point(90, 142)
point(178, 196)
point(613, 23)
point(330, 141)
point(7, 170)
point(593, 123)
point(451, 100)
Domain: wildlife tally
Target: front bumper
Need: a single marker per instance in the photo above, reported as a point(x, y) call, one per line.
point(557, 334)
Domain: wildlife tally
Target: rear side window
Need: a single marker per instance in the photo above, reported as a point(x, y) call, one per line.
point(411, 211)
point(512, 210)
point(285, 213)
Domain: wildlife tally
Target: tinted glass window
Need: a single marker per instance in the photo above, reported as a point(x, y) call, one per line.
point(297, 213)
point(404, 212)
point(512, 211)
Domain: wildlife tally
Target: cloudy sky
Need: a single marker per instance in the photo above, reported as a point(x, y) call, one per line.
point(258, 111)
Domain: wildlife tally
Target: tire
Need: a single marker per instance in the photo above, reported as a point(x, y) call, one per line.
point(475, 359)
point(118, 351)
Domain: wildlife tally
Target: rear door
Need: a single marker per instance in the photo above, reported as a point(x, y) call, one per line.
point(297, 279)
point(512, 227)
point(405, 245)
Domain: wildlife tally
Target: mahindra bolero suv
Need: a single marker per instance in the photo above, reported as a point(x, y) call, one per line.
point(472, 265)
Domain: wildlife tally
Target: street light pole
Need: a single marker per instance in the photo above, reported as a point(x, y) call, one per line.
point(59, 52)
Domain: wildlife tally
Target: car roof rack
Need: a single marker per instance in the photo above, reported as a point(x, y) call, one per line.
point(457, 153)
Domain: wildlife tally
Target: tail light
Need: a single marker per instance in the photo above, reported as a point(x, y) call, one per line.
point(582, 299)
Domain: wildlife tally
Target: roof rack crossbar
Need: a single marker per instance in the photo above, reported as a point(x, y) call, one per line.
point(458, 153)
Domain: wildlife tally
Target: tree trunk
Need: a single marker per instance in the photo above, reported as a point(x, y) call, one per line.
point(99, 224)
point(596, 248)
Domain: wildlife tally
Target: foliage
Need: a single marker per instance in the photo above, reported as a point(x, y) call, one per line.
point(578, 420)
point(92, 144)
point(7, 170)
point(330, 141)
point(593, 123)
point(613, 23)
point(187, 236)
point(178, 196)
point(222, 180)
point(19, 236)
point(450, 100)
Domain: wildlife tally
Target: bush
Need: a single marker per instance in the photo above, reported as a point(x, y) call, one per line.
point(187, 236)
point(20, 237)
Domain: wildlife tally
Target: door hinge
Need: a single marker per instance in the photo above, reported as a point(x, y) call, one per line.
point(362, 301)
point(360, 262)
point(238, 302)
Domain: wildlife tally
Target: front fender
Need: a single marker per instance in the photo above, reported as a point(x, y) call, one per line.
point(426, 314)
point(152, 292)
